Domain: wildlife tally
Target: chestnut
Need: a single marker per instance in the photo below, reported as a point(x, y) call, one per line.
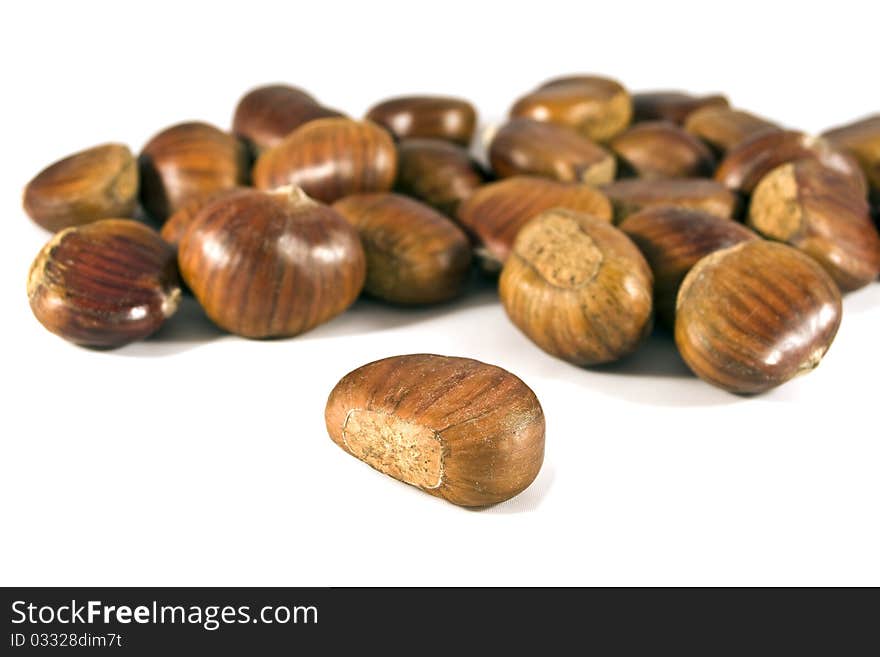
point(436, 172)
point(861, 139)
point(271, 264)
point(819, 211)
point(467, 432)
point(426, 117)
point(527, 147)
point(724, 127)
point(629, 196)
point(495, 213)
point(97, 183)
point(415, 255)
point(176, 225)
point(673, 240)
point(598, 108)
point(577, 287)
point(744, 166)
point(266, 115)
point(104, 284)
point(329, 159)
point(673, 106)
point(660, 149)
point(752, 316)
point(187, 161)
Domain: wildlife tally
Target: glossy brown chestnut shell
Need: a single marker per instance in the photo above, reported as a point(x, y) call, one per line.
point(578, 288)
point(819, 211)
point(753, 316)
point(724, 127)
point(673, 240)
point(266, 115)
point(177, 224)
point(660, 149)
point(536, 148)
point(415, 255)
point(271, 264)
point(329, 159)
point(436, 172)
point(673, 106)
point(426, 117)
point(189, 161)
point(104, 284)
point(630, 196)
point(495, 213)
point(97, 183)
point(465, 431)
point(861, 139)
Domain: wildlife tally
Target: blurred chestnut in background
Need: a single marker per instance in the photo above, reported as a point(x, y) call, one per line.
point(673, 106)
point(189, 161)
point(724, 127)
point(436, 172)
point(660, 149)
point(861, 139)
point(329, 159)
point(426, 117)
point(97, 183)
point(629, 196)
point(271, 264)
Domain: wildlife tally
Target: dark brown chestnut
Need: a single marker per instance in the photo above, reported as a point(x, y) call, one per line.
point(187, 161)
point(673, 240)
point(415, 255)
point(819, 211)
point(577, 287)
point(861, 139)
point(329, 159)
point(724, 127)
point(660, 149)
point(753, 316)
point(104, 284)
point(527, 147)
point(598, 108)
point(436, 172)
point(673, 106)
point(629, 196)
point(426, 117)
point(266, 115)
point(97, 183)
point(495, 213)
point(271, 264)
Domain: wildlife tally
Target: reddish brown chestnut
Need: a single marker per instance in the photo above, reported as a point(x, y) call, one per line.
point(415, 255)
point(436, 172)
point(596, 107)
point(577, 287)
point(173, 229)
point(329, 159)
point(660, 149)
point(861, 140)
point(271, 264)
point(629, 196)
point(266, 115)
point(753, 316)
point(724, 127)
point(819, 211)
point(104, 284)
point(96, 183)
point(426, 117)
point(187, 161)
point(495, 213)
point(527, 147)
point(673, 106)
point(465, 431)
point(673, 240)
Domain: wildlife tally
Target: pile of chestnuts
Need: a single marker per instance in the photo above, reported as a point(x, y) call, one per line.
point(599, 211)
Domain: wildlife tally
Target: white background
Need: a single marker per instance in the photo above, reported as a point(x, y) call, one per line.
point(198, 458)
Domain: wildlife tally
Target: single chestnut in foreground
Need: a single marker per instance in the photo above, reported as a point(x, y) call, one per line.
point(329, 159)
point(528, 147)
point(97, 183)
point(753, 316)
point(673, 106)
point(271, 264)
point(465, 431)
point(819, 211)
point(189, 161)
point(629, 196)
point(104, 284)
point(578, 288)
point(426, 117)
point(266, 115)
point(660, 149)
point(436, 172)
point(414, 254)
point(673, 240)
point(598, 108)
point(724, 127)
point(495, 213)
